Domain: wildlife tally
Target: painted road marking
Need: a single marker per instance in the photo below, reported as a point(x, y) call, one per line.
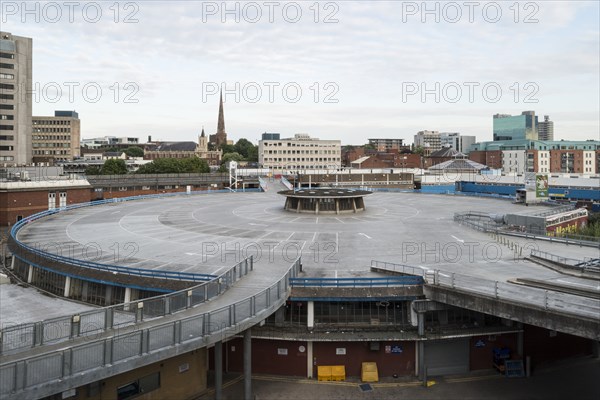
point(457, 239)
point(365, 235)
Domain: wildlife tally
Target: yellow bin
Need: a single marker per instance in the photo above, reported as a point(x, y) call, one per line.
point(324, 373)
point(369, 372)
point(338, 373)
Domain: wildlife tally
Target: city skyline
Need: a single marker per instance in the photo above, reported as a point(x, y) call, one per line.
point(371, 61)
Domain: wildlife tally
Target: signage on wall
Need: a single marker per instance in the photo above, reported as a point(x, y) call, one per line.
point(388, 349)
point(480, 343)
point(396, 349)
point(340, 351)
point(301, 349)
point(282, 352)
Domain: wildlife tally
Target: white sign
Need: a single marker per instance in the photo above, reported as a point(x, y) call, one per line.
point(282, 352)
point(340, 351)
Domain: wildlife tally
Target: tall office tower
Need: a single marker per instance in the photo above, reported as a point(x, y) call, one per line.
point(15, 99)
point(546, 129)
point(516, 127)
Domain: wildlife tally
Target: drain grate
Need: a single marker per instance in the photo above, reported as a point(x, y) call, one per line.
point(365, 387)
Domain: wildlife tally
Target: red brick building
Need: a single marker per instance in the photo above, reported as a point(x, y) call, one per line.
point(20, 199)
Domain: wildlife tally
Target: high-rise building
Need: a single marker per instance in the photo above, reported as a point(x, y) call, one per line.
point(15, 99)
point(460, 143)
point(546, 129)
point(219, 138)
point(56, 138)
point(516, 127)
point(430, 141)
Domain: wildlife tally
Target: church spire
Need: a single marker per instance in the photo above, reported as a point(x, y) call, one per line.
point(221, 123)
point(202, 134)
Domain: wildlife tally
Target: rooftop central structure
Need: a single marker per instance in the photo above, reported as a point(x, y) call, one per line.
point(325, 201)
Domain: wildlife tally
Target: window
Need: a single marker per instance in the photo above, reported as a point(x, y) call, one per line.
point(7, 96)
point(7, 137)
point(6, 55)
point(7, 107)
point(7, 76)
point(145, 384)
point(6, 127)
point(7, 86)
point(7, 117)
point(7, 66)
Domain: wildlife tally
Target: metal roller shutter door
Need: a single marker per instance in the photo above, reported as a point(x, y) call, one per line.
point(447, 357)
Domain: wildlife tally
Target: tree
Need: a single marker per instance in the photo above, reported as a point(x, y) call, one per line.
point(134, 151)
point(231, 157)
point(244, 147)
point(114, 167)
point(175, 166)
point(228, 148)
point(419, 150)
point(93, 170)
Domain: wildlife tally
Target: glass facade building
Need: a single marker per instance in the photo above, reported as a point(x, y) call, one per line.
point(515, 127)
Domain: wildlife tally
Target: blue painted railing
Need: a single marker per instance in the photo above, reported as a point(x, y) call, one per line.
point(187, 276)
point(357, 282)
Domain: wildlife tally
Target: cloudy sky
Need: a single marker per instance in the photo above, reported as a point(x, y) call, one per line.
point(346, 69)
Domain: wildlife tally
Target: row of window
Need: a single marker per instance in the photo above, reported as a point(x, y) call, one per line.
point(301, 152)
point(51, 152)
point(4, 96)
point(7, 66)
point(7, 117)
point(7, 137)
point(7, 148)
point(52, 144)
point(7, 86)
point(7, 158)
point(7, 55)
point(301, 144)
point(52, 130)
point(7, 106)
point(7, 76)
point(51, 122)
point(320, 159)
point(6, 127)
point(51, 137)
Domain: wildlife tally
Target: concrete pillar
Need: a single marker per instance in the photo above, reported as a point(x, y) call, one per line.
point(30, 274)
point(310, 315)
point(219, 370)
point(337, 206)
point(317, 207)
point(67, 290)
point(108, 295)
point(421, 323)
point(127, 295)
point(421, 359)
point(309, 359)
point(280, 316)
point(520, 344)
point(247, 364)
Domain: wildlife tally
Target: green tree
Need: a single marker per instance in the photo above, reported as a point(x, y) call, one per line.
point(114, 167)
point(419, 150)
point(228, 148)
point(231, 157)
point(175, 166)
point(93, 170)
point(244, 147)
point(134, 151)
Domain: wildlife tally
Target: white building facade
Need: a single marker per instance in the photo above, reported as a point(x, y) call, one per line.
point(300, 153)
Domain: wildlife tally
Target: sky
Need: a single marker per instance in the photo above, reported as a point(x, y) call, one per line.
point(349, 70)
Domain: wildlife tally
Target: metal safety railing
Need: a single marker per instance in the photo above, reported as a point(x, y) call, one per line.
point(357, 282)
point(25, 336)
point(24, 250)
point(586, 264)
point(548, 300)
point(143, 340)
